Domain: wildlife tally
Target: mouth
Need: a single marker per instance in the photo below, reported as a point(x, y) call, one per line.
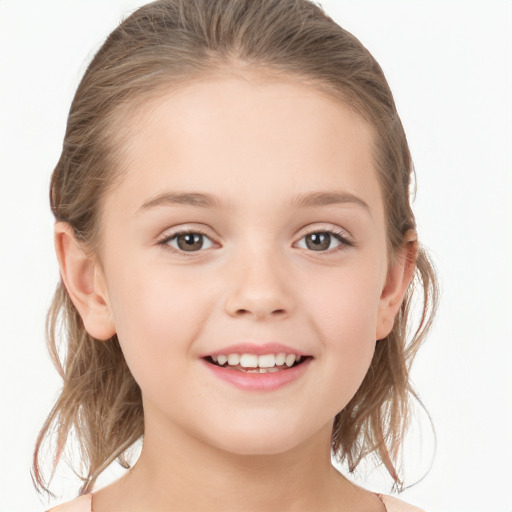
point(257, 363)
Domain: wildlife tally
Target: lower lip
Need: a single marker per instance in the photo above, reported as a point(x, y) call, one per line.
point(259, 381)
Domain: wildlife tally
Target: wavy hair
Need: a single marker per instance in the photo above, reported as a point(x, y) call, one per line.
point(171, 42)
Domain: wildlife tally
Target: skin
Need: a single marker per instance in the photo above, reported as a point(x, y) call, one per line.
point(255, 145)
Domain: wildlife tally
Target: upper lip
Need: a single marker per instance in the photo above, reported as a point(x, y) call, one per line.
point(256, 348)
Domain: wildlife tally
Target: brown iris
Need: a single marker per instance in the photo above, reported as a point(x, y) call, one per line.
point(190, 241)
point(318, 241)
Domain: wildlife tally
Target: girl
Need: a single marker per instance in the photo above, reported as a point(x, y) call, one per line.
point(238, 256)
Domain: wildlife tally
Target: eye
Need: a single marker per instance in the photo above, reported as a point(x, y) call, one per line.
point(324, 241)
point(187, 241)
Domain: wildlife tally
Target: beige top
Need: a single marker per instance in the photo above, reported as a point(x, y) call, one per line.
point(83, 504)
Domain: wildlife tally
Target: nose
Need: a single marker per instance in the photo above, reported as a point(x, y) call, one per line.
point(259, 287)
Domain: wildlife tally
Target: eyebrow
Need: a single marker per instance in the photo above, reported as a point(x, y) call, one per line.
point(327, 198)
point(204, 200)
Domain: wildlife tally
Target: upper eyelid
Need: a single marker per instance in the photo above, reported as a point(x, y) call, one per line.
point(303, 231)
point(169, 236)
point(331, 229)
point(334, 230)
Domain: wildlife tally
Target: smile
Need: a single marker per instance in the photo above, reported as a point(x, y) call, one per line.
point(257, 363)
point(264, 371)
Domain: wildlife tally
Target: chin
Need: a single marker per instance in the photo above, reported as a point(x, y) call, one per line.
point(257, 448)
point(261, 440)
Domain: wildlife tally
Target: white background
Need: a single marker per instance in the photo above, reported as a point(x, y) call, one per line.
point(449, 64)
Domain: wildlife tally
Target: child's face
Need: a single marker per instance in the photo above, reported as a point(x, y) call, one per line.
point(254, 277)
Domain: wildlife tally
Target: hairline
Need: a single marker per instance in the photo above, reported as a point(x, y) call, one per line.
point(133, 111)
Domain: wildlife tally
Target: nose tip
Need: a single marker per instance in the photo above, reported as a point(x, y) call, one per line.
point(258, 306)
point(260, 292)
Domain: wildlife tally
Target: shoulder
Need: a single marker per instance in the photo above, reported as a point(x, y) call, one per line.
point(80, 504)
point(395, 505)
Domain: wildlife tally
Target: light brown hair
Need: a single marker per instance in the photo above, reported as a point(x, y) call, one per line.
point(172, 42)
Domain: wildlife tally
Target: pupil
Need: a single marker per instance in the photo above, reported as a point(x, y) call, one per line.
point(318, 241)
point(192, 241)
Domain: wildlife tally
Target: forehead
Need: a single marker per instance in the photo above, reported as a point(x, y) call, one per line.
point(248, 138)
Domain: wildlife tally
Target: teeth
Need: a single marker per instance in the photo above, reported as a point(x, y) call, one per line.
point(290, 359)
point(265, 363)
point(248, 361)
point(233, 359)
point(280, 358)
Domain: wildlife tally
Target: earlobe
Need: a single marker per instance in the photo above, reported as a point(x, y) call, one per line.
point(84, 282)
point(399, 276)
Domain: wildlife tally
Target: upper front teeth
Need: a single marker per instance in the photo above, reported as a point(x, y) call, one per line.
point(255, 361)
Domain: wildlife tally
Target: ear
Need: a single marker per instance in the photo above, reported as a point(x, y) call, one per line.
point(84, 282)
point(399, 276)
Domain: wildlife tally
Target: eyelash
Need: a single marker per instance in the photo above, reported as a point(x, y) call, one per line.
point(340, 236)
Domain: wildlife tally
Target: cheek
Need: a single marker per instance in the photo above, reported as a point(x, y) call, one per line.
point(345, 304)
point(345, 311)
point(156, 320)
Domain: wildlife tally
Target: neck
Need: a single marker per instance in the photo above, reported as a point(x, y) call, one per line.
point(203, 477)
point(179, 472)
